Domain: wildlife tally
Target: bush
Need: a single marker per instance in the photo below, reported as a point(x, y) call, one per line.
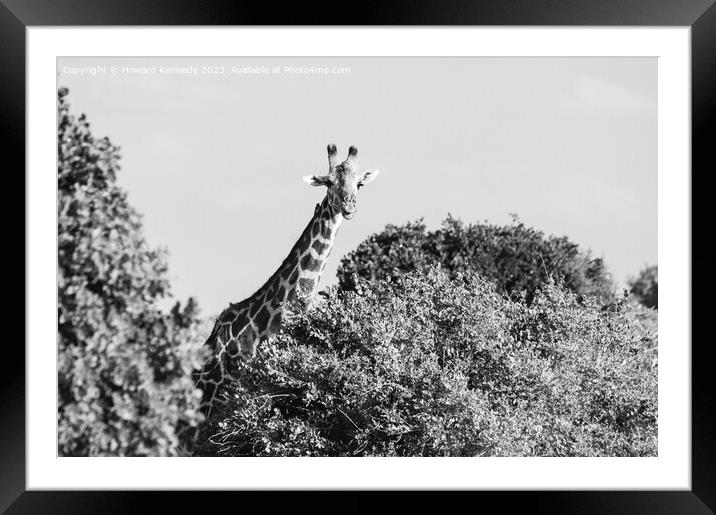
point(426, 365)
point(517, 258)
point(645, 287)
point(124, 366)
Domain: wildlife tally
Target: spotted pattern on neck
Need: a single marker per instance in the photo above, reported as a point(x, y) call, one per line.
point(242, 326)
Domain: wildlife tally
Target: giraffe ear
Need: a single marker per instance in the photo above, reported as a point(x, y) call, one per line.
point(368, 176)
point(318, 180)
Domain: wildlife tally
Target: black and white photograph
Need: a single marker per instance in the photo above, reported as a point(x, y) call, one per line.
point(409, 247)
point(357, 256)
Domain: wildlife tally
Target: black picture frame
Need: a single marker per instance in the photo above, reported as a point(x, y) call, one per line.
point(17, 15)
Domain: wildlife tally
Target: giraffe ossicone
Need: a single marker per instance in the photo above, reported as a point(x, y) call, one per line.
point(242, 326)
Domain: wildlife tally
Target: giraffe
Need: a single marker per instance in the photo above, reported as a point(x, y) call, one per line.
point(242, 326)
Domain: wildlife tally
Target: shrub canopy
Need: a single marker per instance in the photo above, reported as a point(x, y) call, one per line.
point(645, 286)
point(429, 365)
point(124, 367)
point(515, 257)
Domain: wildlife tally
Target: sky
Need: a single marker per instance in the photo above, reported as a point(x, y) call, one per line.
point(214, 151)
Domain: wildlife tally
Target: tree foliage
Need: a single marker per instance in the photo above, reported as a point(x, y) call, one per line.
point(515, 257)
point(438, 364)
point(124, 365)
point(645, 286)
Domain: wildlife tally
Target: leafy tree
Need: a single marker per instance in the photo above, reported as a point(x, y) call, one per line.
point(426, 365)
point(645, 287)
point(516, 257)
point(124, 365)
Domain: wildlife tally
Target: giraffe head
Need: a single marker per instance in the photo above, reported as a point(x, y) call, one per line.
point(343, 181)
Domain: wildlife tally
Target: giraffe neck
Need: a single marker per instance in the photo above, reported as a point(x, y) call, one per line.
point(297, 277)
point(301, 270)
point(315, 249)
point(242, 326)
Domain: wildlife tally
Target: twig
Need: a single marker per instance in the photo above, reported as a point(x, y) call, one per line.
point(349, 418)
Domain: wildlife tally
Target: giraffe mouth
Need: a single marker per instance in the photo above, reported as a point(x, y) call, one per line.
point(348, 215)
